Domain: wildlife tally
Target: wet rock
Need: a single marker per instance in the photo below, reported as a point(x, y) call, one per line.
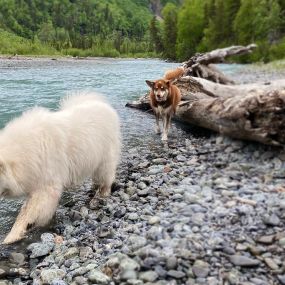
point(17, 258)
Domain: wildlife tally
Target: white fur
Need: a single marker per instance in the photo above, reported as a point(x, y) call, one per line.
point(42, 152)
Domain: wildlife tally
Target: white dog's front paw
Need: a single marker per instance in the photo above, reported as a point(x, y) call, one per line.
point(104, 192)
point(11, 238)
point(164, 137)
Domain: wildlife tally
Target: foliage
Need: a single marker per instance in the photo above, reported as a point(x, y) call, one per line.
point(155, 35)
point(169, 14)
point(190, 28)
point(78, 24)
point(12, 44)
point(128, 27)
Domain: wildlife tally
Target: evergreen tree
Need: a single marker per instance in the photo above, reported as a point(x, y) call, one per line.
point(258, 21)
point(155, 35)
point(169, 14)
point(190, 28)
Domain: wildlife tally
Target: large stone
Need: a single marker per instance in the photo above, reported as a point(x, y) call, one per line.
point(200, 269)
point(17, 258)
point(40, 249)
point(240, 260)
point(176, 274)
point(71, 252)
point(98, 277)
point(50, 275)
point(148, 276)
point(136, 242)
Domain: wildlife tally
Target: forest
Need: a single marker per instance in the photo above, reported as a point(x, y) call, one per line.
point(173, 30)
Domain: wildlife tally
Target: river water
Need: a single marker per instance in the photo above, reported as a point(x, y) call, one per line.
point(42, 82)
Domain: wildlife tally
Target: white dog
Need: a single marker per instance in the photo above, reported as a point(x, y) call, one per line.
point(42, 152)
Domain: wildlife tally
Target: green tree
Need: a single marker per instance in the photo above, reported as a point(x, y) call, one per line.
point(155, 35)
point(190, 28)
point(259, 22)
point(169, 14)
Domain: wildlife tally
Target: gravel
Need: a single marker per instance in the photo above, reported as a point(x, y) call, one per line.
point(202, 209)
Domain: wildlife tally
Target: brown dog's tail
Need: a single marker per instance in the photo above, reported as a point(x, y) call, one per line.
point(174, 73)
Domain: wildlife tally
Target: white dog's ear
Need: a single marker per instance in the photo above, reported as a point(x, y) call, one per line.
point(150, 83)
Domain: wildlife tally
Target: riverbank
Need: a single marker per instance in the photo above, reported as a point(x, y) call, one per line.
point(203, 209)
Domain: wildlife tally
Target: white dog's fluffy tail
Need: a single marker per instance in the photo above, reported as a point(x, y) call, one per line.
point(77, 98)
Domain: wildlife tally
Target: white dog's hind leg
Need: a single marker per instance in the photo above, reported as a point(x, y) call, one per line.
point(106, 175)
point(37, 210)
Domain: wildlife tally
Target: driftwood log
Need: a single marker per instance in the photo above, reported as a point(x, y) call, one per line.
point(201, 64)
point(250, 111)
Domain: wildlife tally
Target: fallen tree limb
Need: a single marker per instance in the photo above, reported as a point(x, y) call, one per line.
point(200, 65)
point(251, 111)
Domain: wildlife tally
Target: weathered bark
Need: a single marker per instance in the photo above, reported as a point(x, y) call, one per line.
point(251, 111)
point(200, 65)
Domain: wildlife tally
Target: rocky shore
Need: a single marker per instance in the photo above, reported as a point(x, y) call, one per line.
point(203, 209)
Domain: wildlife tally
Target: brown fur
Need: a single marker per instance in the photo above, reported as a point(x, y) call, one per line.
point(164, 99)
point(174, 74)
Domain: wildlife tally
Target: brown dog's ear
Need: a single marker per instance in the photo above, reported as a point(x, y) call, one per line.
point(167, 82)
point(150, 83)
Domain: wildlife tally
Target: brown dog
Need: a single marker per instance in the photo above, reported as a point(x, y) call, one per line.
point(164, 99)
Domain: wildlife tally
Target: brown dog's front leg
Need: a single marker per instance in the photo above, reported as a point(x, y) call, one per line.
point(165, 120)
point(157, 116)
point(37, 210)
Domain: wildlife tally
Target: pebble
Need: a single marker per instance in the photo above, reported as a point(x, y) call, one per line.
point(148, 276)
point(50, 275)
point(154, 220)
point(272, 220)
point(245, 261)
point(201, 269)
point(176, 274)
point(39, 249)
point(98, 277)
